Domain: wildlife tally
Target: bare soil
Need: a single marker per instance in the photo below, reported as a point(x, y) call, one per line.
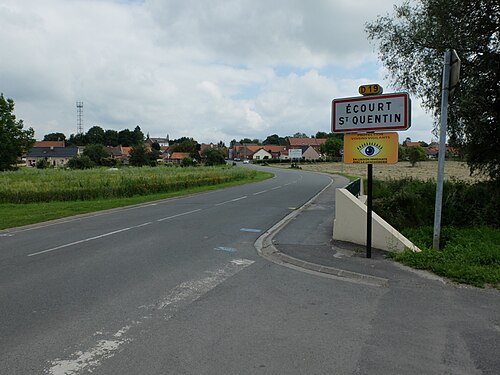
point(427, 170)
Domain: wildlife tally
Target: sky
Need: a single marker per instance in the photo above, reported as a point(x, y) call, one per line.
point(212, 70)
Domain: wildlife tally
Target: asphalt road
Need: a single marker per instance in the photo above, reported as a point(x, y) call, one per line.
point(177, 287)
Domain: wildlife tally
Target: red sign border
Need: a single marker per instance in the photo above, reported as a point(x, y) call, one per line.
point(407, 114)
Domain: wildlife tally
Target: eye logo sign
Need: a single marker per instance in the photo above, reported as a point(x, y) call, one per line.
point(368, 149)
point(371, 148)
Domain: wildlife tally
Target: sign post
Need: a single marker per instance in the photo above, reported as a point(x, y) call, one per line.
point(367, 114)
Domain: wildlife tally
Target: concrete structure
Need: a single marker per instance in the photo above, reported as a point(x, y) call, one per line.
point(350, 225)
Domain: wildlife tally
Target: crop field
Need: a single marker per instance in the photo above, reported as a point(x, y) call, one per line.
point(453, 170)
point(50, 185)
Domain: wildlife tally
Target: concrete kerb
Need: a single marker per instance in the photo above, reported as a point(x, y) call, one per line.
point(266, 249)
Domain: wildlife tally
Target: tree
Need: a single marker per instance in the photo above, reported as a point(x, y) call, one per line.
point(411, 46)
point(80, 162)
point(415, 154)
point(332, 147)
point(139, 156)
point(95, 136)
point(274, 139)
point(213, 156)
point(54, 137)
point(125, 138)
point(14, 140)
point(137, 136)
point(111, 138)
point(300, 135)
point(77, 140)
point(96, 153)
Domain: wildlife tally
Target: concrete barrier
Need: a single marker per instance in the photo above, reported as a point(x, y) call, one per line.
point(350, 225)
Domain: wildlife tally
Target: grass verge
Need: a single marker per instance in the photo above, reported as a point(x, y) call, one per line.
point(469, 255)
point(14, 215)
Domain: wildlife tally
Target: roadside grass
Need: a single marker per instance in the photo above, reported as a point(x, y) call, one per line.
point(19, 214)
point(469, 255)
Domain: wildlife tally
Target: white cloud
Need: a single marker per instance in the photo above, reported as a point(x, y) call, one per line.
point(213, 70)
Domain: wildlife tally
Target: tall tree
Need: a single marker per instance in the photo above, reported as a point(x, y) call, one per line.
point(13, 139)
point(54, 137)
point(111, 138)
point(95, 135)
point(411, 45)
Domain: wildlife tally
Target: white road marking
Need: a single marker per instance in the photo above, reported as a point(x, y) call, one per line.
point(177, 298)
point(261, 192)
point(178, 215)
point(276, 187)
point(109, 234)
point(232, 200)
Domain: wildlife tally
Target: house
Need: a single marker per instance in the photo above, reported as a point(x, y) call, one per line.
point(262, 155)
point(315, 143)
point(119, 152)
point(49, 144)
point(55, 156)
point(310, 153)
point(177, 157)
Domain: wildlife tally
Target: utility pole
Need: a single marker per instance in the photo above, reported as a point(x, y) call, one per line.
point(451, 73)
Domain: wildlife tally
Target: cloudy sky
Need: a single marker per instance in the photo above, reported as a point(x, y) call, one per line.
point(208, 69)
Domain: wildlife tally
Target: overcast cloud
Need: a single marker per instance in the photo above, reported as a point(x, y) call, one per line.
point(212, 70)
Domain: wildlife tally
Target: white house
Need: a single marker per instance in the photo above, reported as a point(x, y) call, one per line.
point(261, 154)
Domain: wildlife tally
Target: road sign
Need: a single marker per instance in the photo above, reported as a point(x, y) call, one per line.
point(371, 113)
point(371, 148)
point(373, 89)
point(295, 153)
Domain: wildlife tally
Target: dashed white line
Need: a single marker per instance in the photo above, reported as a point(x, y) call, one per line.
point(110, 233)
point(261, 192)
point(178, 215)
point(232, 200)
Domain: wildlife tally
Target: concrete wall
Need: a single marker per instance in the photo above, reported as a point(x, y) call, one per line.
point(350, 225)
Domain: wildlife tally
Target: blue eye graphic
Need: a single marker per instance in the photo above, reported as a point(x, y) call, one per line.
point(370, 150)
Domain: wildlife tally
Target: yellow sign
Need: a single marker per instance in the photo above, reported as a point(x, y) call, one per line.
point(372, 89)
point(371, 148)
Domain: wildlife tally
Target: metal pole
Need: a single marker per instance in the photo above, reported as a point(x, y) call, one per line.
point(442, 150)
point(369, 212)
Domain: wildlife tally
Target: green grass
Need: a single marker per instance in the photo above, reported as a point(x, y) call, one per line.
point(469, 255)
point(42, 191)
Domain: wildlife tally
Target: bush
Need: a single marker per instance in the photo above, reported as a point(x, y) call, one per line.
point(42, 164)
point(80, 162)
point(408, 203)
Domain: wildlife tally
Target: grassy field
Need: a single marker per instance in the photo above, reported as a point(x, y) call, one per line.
point(453, 170)
point(30, 196)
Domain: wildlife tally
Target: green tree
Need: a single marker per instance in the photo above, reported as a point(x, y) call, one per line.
point(77, 140)
point(80, 162)
point(411, 45)
point(415, 154)
point(332, 147)
point(54, 137)
point(139, 156)
point(111, 138)
point(95, 136)
point(96, 152)
point(14, 141)
point(137, 136)
point(274, 139)
point(213, 156)
point(126, 138)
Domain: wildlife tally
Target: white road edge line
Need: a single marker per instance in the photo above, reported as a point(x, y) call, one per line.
point(175, 299)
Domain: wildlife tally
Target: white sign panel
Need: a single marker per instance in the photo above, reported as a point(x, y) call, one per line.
point(371, 113)
point(295, 153)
